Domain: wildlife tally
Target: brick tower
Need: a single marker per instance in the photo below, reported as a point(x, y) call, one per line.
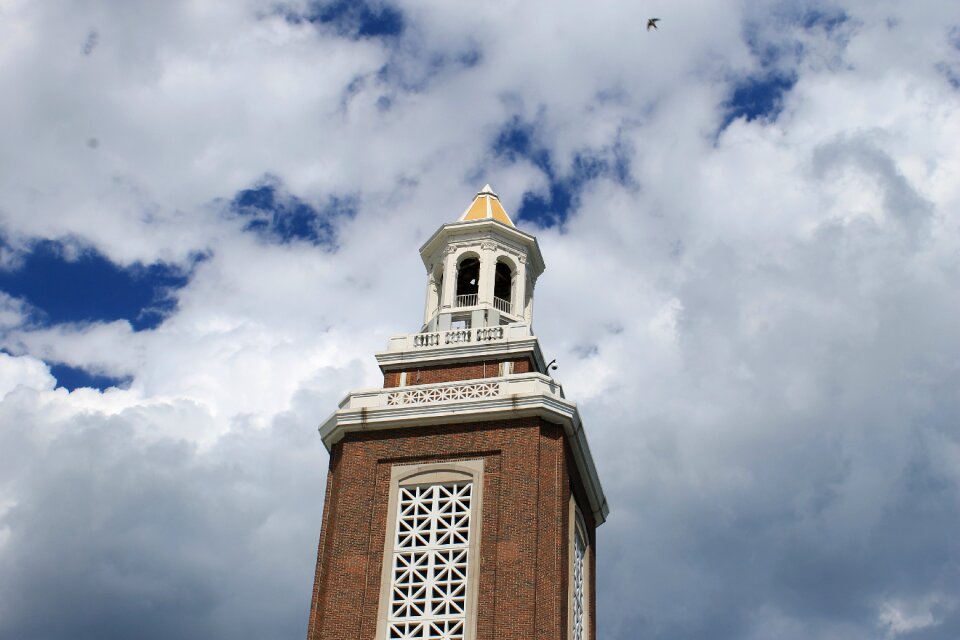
point(462, 500)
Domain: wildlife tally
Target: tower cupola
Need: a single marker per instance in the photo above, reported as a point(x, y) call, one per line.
point(481, 269)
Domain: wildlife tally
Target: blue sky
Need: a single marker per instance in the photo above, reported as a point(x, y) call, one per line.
point(209, 222)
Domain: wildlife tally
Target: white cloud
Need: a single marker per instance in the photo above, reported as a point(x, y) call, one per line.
point(900, 617)
point(24, 371)
point(759, 325)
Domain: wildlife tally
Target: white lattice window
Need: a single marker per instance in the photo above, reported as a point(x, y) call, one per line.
point(428, 578)
point(579, 592)
point(579, 585)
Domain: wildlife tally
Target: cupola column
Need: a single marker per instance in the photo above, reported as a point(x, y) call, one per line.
point(488, 267)
point(433, 298)
point(530, 282)
point(447, 289)
point(520, 292)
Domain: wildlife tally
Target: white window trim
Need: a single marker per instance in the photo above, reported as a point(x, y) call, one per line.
point(434, 473)
point(577, 524)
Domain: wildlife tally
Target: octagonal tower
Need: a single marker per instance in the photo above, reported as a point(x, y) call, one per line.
point(462, 499)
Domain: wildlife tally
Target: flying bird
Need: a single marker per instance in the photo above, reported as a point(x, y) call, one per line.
point(652, 23)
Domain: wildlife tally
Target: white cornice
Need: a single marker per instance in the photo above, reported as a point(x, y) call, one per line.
point(477, 229)
point(507, 397)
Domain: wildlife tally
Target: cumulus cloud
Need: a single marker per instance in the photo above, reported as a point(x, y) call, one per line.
point(749, 219)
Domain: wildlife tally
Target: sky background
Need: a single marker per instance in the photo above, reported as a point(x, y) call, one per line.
point(209, 221)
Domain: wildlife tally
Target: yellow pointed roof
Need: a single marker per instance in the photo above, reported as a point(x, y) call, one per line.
point(486, 205)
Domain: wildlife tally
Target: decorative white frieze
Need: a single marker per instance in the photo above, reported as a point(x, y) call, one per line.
point(444, 394)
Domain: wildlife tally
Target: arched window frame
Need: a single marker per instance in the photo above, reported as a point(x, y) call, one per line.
point(410, 475)
point(460, 259)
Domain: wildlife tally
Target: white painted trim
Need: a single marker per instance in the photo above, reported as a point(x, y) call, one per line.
point(520, 395)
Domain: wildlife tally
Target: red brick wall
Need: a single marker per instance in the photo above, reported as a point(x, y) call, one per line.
point(524, 527)
point(453, 372)
point(522, 366)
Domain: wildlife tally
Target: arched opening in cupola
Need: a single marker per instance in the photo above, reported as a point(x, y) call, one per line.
point(468, 282)
point(503, 287)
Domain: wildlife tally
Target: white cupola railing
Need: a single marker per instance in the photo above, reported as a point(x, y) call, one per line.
point(467, 300)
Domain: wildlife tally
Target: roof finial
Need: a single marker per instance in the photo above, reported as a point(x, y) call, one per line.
point(488, 190)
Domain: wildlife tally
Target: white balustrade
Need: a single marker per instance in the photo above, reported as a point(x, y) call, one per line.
point(488, 334)
point(426, 339)
point(502, 305)
point(456, 336)
point(429, 339)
